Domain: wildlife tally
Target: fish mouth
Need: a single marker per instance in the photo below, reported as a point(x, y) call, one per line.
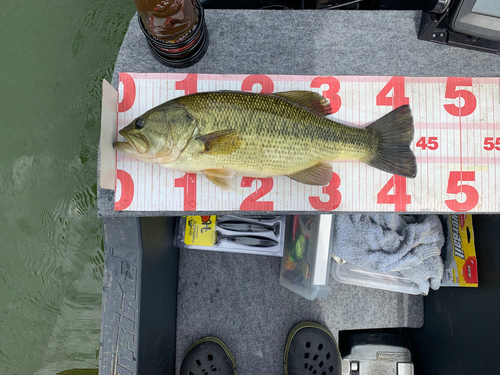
point(124, 147)
point(134, 143)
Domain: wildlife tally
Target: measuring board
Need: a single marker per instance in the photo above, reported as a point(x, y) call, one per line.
point(456, 143)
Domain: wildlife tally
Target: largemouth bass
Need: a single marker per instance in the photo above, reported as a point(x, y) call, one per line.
point(228, 133)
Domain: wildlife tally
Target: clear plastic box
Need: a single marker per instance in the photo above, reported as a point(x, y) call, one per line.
point(349, 274)
point(305, 266)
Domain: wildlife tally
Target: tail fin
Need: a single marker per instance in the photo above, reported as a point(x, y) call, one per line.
point(396, 134)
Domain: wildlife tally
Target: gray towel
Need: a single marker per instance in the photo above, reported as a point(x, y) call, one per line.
point(392, 242)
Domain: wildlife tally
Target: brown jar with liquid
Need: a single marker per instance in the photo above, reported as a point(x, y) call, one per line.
point(167, 19)
point(175, 30)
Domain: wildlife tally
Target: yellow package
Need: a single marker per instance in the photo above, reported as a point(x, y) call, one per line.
point(200, 230)
point(459, 253)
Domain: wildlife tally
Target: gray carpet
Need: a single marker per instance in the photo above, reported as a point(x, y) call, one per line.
point(238, 297)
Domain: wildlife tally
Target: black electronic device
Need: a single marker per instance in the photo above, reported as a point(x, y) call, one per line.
point(473, 24)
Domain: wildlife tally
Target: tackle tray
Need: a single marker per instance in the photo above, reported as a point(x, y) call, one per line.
point(305, 266)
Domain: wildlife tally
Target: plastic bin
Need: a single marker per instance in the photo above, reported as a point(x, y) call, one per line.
point(305, 266)
point(349, 274)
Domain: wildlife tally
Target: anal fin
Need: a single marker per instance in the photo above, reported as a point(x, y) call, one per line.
point(319, 174)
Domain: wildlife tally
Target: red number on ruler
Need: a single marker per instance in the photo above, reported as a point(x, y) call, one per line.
point(128, 92)
point(250, 203)
point(431, 144)
point(334, 196)
point(398, 98)
point(470, 101)
point(127, 190)
point(489, 145)
point(265, 82)
point(188, 183)
point(188, 84)
point(472, 196)
point(331, 94)
point(399, 199)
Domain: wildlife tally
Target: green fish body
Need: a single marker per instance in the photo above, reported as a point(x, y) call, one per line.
point(223, 134)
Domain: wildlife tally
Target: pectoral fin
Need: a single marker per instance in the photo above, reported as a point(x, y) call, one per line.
point(220, 178)
point(309, 100)
point(319, 174)
point(221, 142)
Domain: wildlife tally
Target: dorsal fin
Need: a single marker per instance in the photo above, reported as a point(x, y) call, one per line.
point(309, 100)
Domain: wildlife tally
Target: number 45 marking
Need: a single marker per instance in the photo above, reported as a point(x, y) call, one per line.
point(430, 144)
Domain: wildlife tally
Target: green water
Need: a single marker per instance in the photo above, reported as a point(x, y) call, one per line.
point(53, 57)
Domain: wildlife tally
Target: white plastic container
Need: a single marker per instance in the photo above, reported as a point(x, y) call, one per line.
point(305, 266)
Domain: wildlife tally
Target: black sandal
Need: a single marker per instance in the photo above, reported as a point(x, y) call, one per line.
point(208, 355)
point(311, 349)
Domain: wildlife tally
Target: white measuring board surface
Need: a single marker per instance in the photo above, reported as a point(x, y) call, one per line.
point(456, 143)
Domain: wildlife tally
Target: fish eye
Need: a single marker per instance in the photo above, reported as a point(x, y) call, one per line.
point(139, 123)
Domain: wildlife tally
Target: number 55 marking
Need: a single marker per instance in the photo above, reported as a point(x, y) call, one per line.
point(489, 145)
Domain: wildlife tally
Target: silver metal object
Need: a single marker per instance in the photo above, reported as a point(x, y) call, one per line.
point(377, 359)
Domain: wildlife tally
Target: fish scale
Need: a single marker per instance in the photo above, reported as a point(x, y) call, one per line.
point(278, 137)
